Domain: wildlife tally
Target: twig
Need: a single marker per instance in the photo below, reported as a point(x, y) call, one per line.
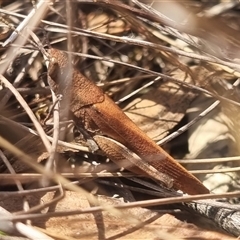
point(28, 111)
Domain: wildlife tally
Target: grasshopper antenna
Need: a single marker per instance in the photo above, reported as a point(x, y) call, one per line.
point(37, 43)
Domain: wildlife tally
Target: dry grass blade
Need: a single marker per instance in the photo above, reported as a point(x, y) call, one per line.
point(171, 66)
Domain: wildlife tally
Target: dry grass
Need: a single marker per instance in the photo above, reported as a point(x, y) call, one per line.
point(172, 66)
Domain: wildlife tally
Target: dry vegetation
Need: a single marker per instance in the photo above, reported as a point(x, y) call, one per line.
point(172, 66)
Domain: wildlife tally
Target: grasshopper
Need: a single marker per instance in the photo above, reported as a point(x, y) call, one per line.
point(99, 115)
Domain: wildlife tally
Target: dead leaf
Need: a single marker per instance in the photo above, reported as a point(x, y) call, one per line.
point(159, 110)
point(135, 223)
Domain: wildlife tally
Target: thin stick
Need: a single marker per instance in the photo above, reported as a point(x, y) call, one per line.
point(28, 111)
point(19, 41)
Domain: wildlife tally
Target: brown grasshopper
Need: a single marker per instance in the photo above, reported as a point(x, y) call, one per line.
point(98, 114)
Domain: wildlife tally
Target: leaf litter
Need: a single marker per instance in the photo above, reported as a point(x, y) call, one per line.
point(124, 47)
